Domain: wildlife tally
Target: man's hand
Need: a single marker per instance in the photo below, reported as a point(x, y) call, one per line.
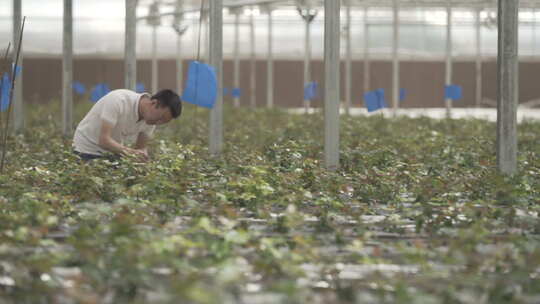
point(139, 154)
point(107, 143)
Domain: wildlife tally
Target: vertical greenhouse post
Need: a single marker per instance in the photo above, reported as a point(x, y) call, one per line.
point(67, 70)
point(508, 69)
point(154, 60)
point(130, 59)
point(179, 61)
point(331, 89)
point(348, 62)
point(236, 71)
point(448, 69)
point(478, 59)
point(270, 61)
point(18, 108)
point(534, 30)
point(216, 60)
point(307, 50)
point(367, 72)
point(154, 22)
point(253, 67)
point(395, 59)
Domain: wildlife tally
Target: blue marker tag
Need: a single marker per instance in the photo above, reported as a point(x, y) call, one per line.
point(380, 98)
point(372, 101)
point(99, 91)
point(140, 88)
point(453, 92)
point(201, 85)
point(236, 92)
point(402, 94)
point(310, 91)
point(4, 93)
point(78, 87)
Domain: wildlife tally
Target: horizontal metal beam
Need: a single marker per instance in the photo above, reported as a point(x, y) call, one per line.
point(194, 6)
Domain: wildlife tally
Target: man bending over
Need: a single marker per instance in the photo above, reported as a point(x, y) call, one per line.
point(124, 116)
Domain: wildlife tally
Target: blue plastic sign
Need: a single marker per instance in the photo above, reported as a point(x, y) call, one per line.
point(78, 87)
point(402, 94)
point(310, 91)
point(140, 88)
point(453, 92)
point(99, 91)
point(382, 100)
point(374, 100)
point(5, 86)
point(236, 92)
point(201, 85)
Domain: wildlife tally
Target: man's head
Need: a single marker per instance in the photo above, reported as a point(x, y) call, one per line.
point(164, 106)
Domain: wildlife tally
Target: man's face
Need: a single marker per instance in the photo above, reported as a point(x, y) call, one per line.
point(157, 115)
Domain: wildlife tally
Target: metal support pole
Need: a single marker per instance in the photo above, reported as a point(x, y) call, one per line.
point(253, 67)
point(534, 31)
point(130, 57)
point(478, 59)
point(179, 61)
point(206, 36)
point(331, 79)
point(367, 72)
point(270, 63)
point(307, 57)
point(179, 65)
point(236, 72)
point(155, 74)
point(448, 76)
point(508, 86)
point(395, 59)
point(216, 60)
point(67, 70)
point(18, 108)
point(348, 62)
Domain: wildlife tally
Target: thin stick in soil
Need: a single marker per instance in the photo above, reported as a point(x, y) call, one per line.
point(14, 70)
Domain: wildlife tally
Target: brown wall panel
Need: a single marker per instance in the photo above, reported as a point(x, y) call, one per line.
point(423, 80)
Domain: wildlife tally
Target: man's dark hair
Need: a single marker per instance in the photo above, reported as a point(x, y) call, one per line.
point(168, 98)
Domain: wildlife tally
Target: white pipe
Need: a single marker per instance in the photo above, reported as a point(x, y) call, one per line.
point(395, 59)
point(331, 80)
point(270, 64)
point(253, 72)
point(367, 72)
point(448, 76)
point(348, 62)
point(18, 107)
point(155, 74)
point(130, 61)
point(478, 59)
point(508, 86)
point(236, 72)
point(67, 70)
point(216, 60)
point(307, 57)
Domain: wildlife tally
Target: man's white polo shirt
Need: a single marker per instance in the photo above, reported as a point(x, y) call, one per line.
point(121, 109)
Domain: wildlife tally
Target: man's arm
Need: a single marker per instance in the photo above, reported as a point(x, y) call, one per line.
point(108, 143)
